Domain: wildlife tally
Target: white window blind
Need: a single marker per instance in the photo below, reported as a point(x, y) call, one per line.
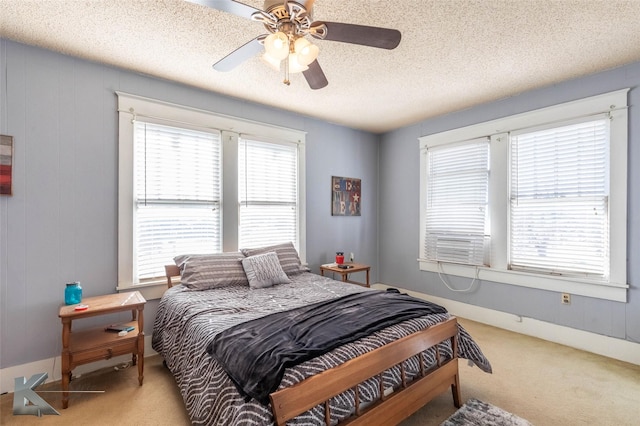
point(268, 192)
point(559, 199)
point(177, 177)
point(456, 209)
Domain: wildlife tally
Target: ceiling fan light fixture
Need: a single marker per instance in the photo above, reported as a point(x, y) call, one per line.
point(306, 52)
point(288, 23)
point(277, 45)
point(271, 61)
point(295, 66)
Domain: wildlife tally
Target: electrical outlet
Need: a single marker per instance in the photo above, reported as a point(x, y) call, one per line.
point(566, 299)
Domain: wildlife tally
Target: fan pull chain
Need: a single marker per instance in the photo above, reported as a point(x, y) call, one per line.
point(286, 65)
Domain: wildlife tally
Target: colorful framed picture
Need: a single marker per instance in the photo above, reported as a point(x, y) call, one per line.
point(346, 196)
point(6, 164)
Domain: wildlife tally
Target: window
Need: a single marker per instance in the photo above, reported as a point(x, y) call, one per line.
point(177, 174)
point(188, 185)
point(558, 204)
point(556, 200)
point(268, 193)
point(457, 196)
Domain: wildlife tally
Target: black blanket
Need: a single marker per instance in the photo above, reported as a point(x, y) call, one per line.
point(256, 353)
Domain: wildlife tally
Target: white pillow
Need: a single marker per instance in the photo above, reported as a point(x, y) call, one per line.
point(264, 270)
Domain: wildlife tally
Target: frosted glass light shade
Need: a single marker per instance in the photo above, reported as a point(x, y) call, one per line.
point(277, 45)
point(305, 51)
point(294, 65)
point(271, 61)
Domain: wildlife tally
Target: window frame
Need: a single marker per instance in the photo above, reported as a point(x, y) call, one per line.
point(132, 106)
point(613, 103)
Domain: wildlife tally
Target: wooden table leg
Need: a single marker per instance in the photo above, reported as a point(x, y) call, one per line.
point(140, 369)
point(140, 346)
point(65, 384)
point(65, 362)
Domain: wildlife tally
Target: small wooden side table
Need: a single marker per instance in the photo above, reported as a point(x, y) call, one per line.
point(355, 267)
point(95, 344)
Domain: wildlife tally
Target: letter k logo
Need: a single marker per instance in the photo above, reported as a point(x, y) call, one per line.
point(26, 401)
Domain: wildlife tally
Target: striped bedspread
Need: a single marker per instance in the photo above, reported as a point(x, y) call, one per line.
point(186, 321)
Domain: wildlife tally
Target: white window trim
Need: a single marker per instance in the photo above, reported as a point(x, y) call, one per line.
point(130, 106)
point(616, 288)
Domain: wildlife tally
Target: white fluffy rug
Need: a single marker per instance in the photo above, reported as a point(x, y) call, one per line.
point(477, 413)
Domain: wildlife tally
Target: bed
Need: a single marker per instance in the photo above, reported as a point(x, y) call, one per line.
point(380, 378)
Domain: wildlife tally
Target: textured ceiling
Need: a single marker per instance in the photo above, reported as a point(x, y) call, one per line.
point(454, 54)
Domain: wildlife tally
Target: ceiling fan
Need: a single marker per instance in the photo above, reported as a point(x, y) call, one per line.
point(288, 22)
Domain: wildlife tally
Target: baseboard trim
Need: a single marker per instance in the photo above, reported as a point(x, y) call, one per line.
point(51, 366)
point(610, 347)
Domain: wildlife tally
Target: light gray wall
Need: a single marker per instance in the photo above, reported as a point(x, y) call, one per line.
point(61, 223)
point(399, 215)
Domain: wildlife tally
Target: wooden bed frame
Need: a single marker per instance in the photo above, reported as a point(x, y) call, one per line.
point(391, 408)
point(173, 275)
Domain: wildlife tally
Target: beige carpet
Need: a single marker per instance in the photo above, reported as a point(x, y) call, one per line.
point(545, 383)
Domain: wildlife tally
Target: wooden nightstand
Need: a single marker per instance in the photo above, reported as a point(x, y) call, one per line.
point(356, 267)
point(95, 344)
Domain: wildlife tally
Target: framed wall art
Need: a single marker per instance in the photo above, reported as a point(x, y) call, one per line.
point(6, 164)
point(345, 196)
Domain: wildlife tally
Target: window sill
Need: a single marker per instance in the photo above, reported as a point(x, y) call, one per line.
point(149, 291)
point(582, 287)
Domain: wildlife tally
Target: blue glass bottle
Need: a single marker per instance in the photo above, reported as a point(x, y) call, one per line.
point(73, 293)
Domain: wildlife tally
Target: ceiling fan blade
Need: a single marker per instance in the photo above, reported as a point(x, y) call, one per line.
point(239, 55)
point(315, 76)
point(384, 38)
point(229, 6)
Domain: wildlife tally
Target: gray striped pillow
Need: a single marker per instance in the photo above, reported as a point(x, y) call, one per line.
point(287, 255)
point(206, 271)
point(264, 270)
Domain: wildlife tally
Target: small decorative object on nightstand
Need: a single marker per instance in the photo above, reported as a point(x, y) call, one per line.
point(345, 269)
point(73, 293)
point(82, 347)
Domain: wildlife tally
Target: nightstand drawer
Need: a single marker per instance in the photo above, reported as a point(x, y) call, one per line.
point(126, 346)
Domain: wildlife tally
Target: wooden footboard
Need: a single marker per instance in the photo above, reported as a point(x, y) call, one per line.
point(388, 410)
